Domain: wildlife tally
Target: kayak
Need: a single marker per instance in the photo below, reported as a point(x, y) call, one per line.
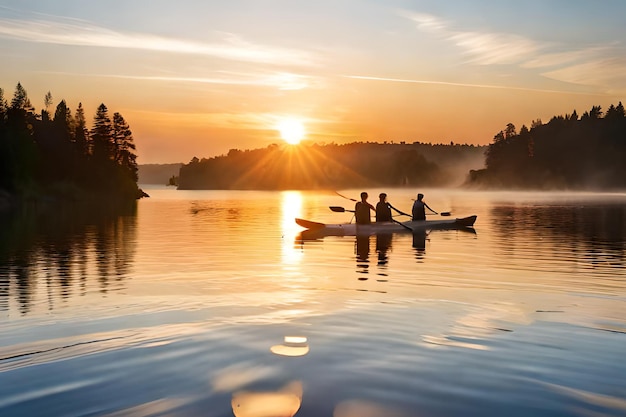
point(353, 229)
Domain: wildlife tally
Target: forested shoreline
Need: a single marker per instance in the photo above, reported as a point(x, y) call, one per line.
point(334, 166)
point(569, 153)
point(53, 155)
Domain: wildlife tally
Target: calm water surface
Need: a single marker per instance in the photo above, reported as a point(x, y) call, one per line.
point(181, 306)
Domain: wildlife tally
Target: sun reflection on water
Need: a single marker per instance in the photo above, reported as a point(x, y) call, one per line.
point(291, 207)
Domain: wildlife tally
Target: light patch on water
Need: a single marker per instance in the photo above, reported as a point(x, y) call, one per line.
point(284, 402)
point(617, 403)
point(448, 341)
point(34, 394)
point(162, 406)
point(239, 375)
point(367, 408)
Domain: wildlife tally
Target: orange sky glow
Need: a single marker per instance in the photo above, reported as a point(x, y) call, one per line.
point(200, 78)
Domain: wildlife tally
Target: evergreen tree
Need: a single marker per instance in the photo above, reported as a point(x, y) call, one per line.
point(509, 132)
point(4, 146)
point(615, 112)
point(81, 133)
point(565, 153)
point(65, 158)
point(102, 135)
point(53, 154)
point(20, 99)
point(21, 152)
point(47, 101)
point(3, 106)
point(64, 122)
point(125, 146)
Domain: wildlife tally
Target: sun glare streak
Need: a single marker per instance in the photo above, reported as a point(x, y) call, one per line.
point(296, 168)
point(291, 207)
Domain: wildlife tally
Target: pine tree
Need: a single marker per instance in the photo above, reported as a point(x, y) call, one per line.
point(102, 135)
point(3, 108)
point(21, 152)
point(20, 99)
point(47, 101)
point(81, 133)
point(125, 146)
point(63, 121)
point(4, 145)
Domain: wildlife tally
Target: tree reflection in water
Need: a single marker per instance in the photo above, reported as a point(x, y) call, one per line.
point(592, 231)
point(65, 247)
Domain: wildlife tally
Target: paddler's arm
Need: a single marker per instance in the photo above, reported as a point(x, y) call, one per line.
point(426, 205)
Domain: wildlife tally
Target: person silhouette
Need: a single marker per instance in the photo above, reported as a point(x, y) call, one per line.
point(419, 208)
point(383, 209)
point(362, 210)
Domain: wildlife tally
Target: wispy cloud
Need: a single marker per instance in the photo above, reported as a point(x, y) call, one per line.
point(608, 73)
point(81, 33)
point(261, 121)
point(483, 48)
point(495, 48)
point(497, 87)
point(590, 65)
point(426, 22)
point(559, 59)
point(279, 80)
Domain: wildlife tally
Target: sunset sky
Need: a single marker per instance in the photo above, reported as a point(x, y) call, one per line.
point(197, 77)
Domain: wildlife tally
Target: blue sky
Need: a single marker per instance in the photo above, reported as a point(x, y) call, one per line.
point(197, 78)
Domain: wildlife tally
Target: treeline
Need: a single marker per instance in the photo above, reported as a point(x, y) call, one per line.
point(332, 166)
point(162, 174)
point(568, 152)
point(55, 154)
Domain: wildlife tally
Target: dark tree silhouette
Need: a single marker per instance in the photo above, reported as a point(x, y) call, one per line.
point(20, 149)
point(124, 146)
point(102, 135)
point(43, 155)
point(567, 152)
point(81, 133)
point(329, 166)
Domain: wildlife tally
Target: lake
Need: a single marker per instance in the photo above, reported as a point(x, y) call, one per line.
point(207, 303)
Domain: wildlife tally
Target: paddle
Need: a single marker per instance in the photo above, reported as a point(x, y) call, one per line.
point(339, 209)
point(443, 213)
point(402, 224)
point(343, 196)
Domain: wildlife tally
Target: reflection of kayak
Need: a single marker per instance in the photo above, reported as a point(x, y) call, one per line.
point(352, 229)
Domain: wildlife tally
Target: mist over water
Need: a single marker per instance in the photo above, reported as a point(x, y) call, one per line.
point(186, 305)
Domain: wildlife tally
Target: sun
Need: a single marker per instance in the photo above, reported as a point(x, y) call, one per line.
point(291, 130)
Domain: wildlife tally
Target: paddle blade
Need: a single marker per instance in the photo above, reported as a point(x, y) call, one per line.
point(337, 209)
